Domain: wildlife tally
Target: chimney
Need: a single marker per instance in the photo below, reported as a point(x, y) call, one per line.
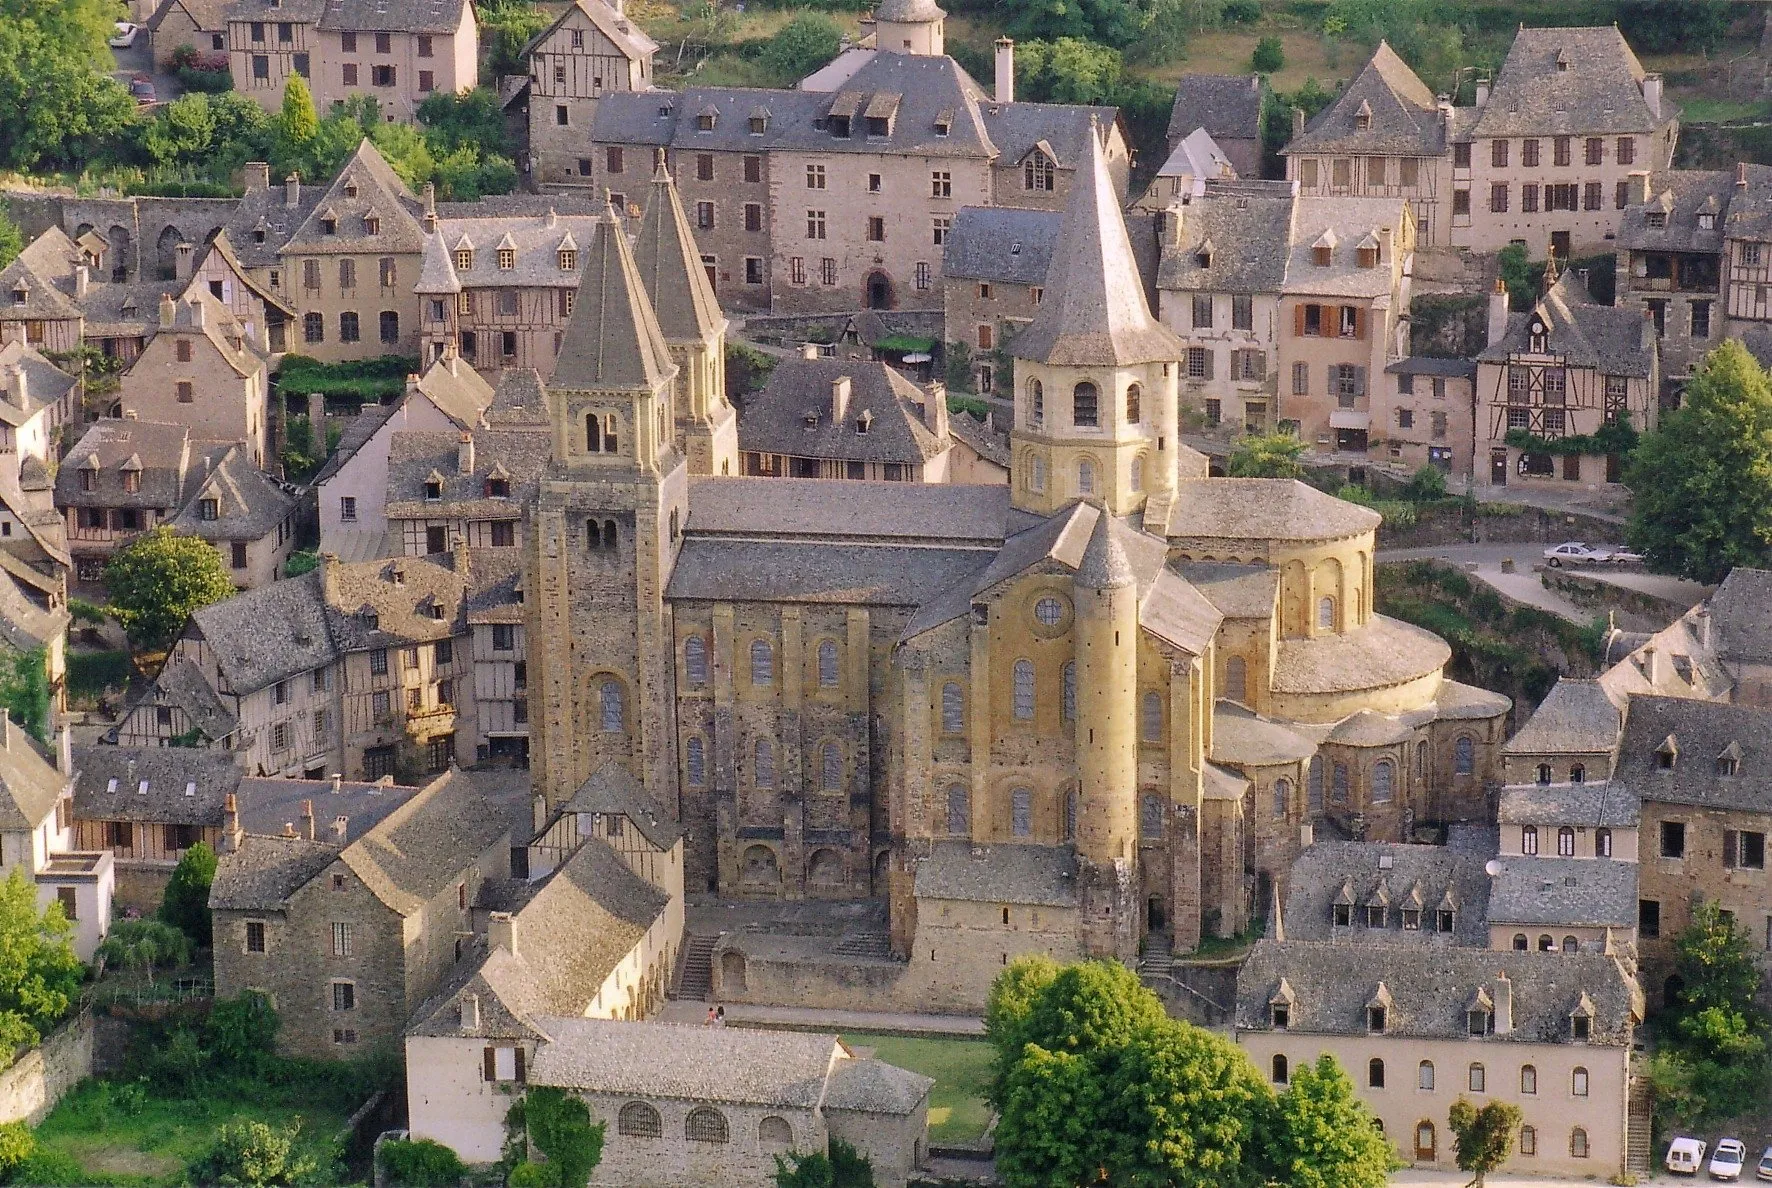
point(292, 190)
point(1297, 122)
point(840, 390)
point(1652, 93)
point(257, 176)
point(411, 385)
point(458, 555)
point(20, 387)
point(341, 828)
point(935, 411)
point(1482, 92)
point(1497, 313)
point(231, 832)
point(1741, 175)
point(470, 1012)
point(64, 751)
point(501, 931)
point(168, 311)
point(1652, 665)
point(307, 819)
point(1701, 620)
point(197, 312)
point(430, 205)
point(809, 350)
point(338, 782)
point(1637, 187)
point(82, 279)
point(1649, 330)
point(1005, 70)
point(1504, 1004)
point(1387, 239)
point(464, 454)
point(182, 257)
point(289, 829)
point(5, 729)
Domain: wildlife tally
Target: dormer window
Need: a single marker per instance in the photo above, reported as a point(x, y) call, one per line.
point(433, 490)
point(864, 422)
point(372, 224)
point(1411, 919)
point(370, 620)
point(351, 188)
point(1655, 218)
point(1344, 915)
point(132, 481)
point(1363, 117)
point(435, 610)
point(1580, 1028)
point(329, 226)
point(879, 125)
point(1375, 914)
point(706, 120)
point(568, 260)
point(1480, 1022)
point(943, 124)
point(1539, 336)
point(258, 235)
point(1667, 754)
point(759, 123)
point(464, 258)
point(840, 127)
point(1707, 221)
point(1729, 762)
point(1320, 256)
point(209, 509)
point(1375, 1019)
point(507, 259)
point(1367, 257)
point(1444, 919)
point(20, 296)
point(498, 488)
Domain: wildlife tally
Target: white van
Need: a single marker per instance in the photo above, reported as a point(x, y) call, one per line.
point(1686, 1156)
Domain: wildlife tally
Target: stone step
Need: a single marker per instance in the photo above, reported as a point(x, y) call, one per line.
point(863, 944)
point(695, 972)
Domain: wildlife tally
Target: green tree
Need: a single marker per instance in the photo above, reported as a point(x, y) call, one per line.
point(145, 945)
point(420, 1163)
point(1716, 961)
point(241, 1032)
point(181, 131)
point(406, 151)
point(24, 689)
point(1008, 1007)
point(12, 239)
point(1324, 1136)
point(158, 579)
point(560, 1127)
point(185, 905)
point(1269, 55)
point(62, 107)
point(1713, 1059)
point(803, 45)
point(1267, 455)
point(253, 1154)
point(38, 970)
point(1702, 482)
point(298, 122)
point(1426, 485)
point(1483, 1138)
point(1518, 275)
point(471, 120)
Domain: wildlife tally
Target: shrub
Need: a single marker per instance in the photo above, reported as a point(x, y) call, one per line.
point(146, 945)
point(529, 1174)
point(46, 1167)
point(185, 905)
point(1426, 485)
point(17, 1144)
point(803, 45)
point(242, 1031)
point(560, 1127)
point(420, 1164)
point(253, 1154)
point(300, 562)
point(1241, 12)
point(1269, 55)
point(91, 673)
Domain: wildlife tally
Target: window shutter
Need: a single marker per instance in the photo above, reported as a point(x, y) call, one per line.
point(1298, 313)
point(1259, 361)
point(1210, 354)
point(1359, 381)
point(1333, 373)
point(522, 1070)
point(489, 1062)
point(1731, 848)
point(1359, 322)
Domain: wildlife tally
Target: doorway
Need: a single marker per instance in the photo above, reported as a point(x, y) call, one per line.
point(1560, 246)
point(1156, 919)
point(1498, 468)
point(879, 291)
point(1424, 1143)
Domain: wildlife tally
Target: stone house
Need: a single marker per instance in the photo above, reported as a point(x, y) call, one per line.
point(201, 370)
point(37, 836)
point(994, 264)
point(1227, 107)
point(841, 419)
point(247, 515)
point(265, 316)
point(1183, 177)
point(34, 308)
point(1670, 257)
point(398, 54)
point(200, 24)
point(1570, 737)
point(347, 936)
point(1565, 879)
point(37, 399)
point(590, 50)
point(1566, 368)
point(1428, 409)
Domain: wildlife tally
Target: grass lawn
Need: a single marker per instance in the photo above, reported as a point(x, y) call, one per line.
point(957, 1112)
point(149, 1141)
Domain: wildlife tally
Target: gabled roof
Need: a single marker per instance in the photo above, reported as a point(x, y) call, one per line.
point(1005, 244)
point(380, 194)
point(402, 16)
point(670, 266)
point(1249, 227)
point(160, 453)
point(535, 241)
point(1703, 731)
point(1741, 616)
point(997, 874)
point(613, 341)
point(521, 455)
point(457, 389)
point(1583, 332)
point(45, 383)
point(1548, 892)
point(1264, 509)
point(683, 1062)
point(1226, 106)
point(182, 685)
point(794, 414)
point(1576, 717)
point(1569, 81)
point(29, 784)
point(250, 504)
point(436, 270)
point(612, 788)
point(1398, 111)
point(423, 846)
point(1596, 804)
point(1680, 197)
point(626, 36)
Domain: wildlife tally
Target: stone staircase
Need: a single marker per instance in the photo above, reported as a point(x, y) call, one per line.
point(1639, 1155)
point(863, 944)
point(695, 970)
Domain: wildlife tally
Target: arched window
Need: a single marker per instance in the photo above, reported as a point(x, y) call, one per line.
point(1023, 690)
point(1528, 1140)
point(1085, 477)
point(1084, 400)
point(1138, 473)
point(1236, 680)
point(764, 752)
point(1338, 786)
point(1528, 839)
point(1528, 1080)
point(1464, 756)
point(1150, 817)
point(1133, 394)
point(1021, 812)
point(1424, 1075)
point(1577, 774)
point(705, 1124)
point(953, 709)
point(1070, 816)
point(1571, 946)
point(1544, 773)
point(1578, 1082)
point(593, 434)
point(1280, 1069)
point(1521, 944)
point(1314, 784)
point(1479, 1079)
point(639, 1120)
point(609, 702)
point(696, 761)
point(1578, 1143)
point(1150, 725)
point(1602, 843)
point(1375, 1073)
point(1036, 403)
point(1566, 842)
point(695, 660)
point(1282, 799)
point(611, 539)
point(1425, 1151)
point(1326, 614)
point(1039, 474)
point(830, 768)
point(762, 662)
point(1384, 774)
point(1069, 708)
point(775, 1134)
point(1546, 944)
point(827, 665)
point(1421, 759)
point(959, 810)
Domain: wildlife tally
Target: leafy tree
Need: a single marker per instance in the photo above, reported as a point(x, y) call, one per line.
point(242, 1031)
point(61, 105)
point(471, 120)
point(12, 239)
point(1008, 1008)
point(1426, 485)
point(842, 1167)
point(145, 945)
point(24, 689)
point(253, 1154)
point(1702, 482)
point(1713, 1060)
point(39, 973)
point(1518, 275)
point(505, 28)
point(1267, 455)
point(1483, 1138)
point(181, 131)
point(158, 579)
point(1325, 1136)
point(1716, 962)
point(1070, 70)
point(1241, 12)
point(420, 1163)
point(185, 905)
point(560, 1127)
point(17, 1144)
point(298, 122)
point(406, 151)
point(1269, 55)
point(803, 45)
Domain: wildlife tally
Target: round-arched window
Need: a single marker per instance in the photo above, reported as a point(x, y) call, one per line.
point(1084, 405)
point(611, 707)
point(1085, 477)
point(705, 1124)
point(1036, 403)
point(1133, 401)
point(639, 1120)
point(1049, 612)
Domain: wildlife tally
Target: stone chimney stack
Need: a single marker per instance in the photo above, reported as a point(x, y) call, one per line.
point(464, 454)
point(338, 782)
point(411, 385)
point(1297, 122)
point(1701, 619)
point(168, 311)
point(82, 279)
point(1649, 335)
point(1652, 663)
point(1497, 313)
point(1504, 1005)
point(231, 832)
point(257, 176)
point(1741, 175)
point(430, 206)
point(840, 392)
point(197, 312)
point(458, 555)
point(1652, 93)
point(935, 410)
point(341, 828)
point(470, 1012)
point(809, 350)
point(307, 819)
point(1482, 92)
point(1005, 90)
point(1637, 187)
point(183, 256)
point(19, 387)
point(292, 190)
point(64, 751)
point(501, 931)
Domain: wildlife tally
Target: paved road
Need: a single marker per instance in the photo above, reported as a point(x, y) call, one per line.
point(139, 59)
point(1524, 584)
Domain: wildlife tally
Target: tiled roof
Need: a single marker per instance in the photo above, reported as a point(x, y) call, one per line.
point(535, 242)
point(1227, 106)
point(1238, 591)
point(1575, 717)
point(208, 15)
point(1679, 199)
point(1234, 238)
point(989, 442)
point(685, 1062)
point(1571, 892)
point(1383, 652)
point(1359, 874)
point(1349, 223)
point(26, 620)
point(1386, 110)
point(45, 383)
point(1045, 876)
point(268, 804)
point(1584, 333)
point(380, 194)
point(265, 219)
point(457, 389)
point(503, 992)
point(1741, 615)
point(1707, 738)
point(613, 789)
point(1568, 81)
point(1750, 207)
point(1264, 509)
point(182, 685)
point(266, 870)
point(355, 435)
point(1246, 739)
point(669, 262)
point(809, 572)
point(159, 454)
point(180, 785)
point(795, 414)
point(1005, 244)
point(29, 784)
point(875, 1087)
point(625, 34)
point(1429, 365)
point(268, 634)
point(613, 341)
point(519, 399)
point(1597, 804)
point(387, 603)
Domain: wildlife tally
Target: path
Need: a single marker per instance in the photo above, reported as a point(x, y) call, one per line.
point(1414, 1178)
point(808, 1019)
point(1522, 586)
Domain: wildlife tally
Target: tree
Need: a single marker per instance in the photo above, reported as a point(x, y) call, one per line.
point(1702, 483)
point(420, 1163)
point(16, 1145)
point(158, 579)
point(1325, 1136)
point(803, 45)
point(185, 905)
point(253, 1154)
point(24, 689)
point(1483, 1138)
point(471, 120)
point(298, 122)
point(12, 240)
point(842, 1167)
point(61, 104)
point(145, 945)
point(242, 1031)
point(181, 131)
point(1426, 485)
point(1267, 455)
point(1269, 55)
point(560, 1127)
point(38, 970)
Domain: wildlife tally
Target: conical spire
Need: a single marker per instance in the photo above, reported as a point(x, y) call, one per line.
point(670, 265)
point(1104, 565)
point(613, 339)
point(436, 270)
point(1096, 315)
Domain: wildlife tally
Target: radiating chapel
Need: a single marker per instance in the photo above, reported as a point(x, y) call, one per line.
point(1102, 707)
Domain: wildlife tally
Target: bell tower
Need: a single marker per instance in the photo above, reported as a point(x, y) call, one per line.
point(603, 538)
point(1096, 375)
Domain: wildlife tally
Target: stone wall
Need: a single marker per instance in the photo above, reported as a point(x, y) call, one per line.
point(30, 1088)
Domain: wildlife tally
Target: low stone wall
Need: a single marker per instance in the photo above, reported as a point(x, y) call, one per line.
point(1639, 610)
point(1531, 525)
point(141, 886)
point(30, 1088)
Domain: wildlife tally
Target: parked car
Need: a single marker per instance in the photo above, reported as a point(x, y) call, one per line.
point(1726, 1163)
point(142, 87)
point(1764, 1170)
point(124, 34)
point(1576, 551)
point(1626, 557)
point(1686, 1156)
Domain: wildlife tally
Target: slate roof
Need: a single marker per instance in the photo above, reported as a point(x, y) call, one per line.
point(1741, 615)
point(268, 634)
point(182, 685)
point(160, 454)
point(380, 194)
point(268, 804)
point(1264, 509)
point(184, 785)
point(1045, 876)
point(795, 414)
point(122, 311)
point(29, 784)
point(404, 16)
point(45, 383)
point(984, 438)
point(1680, 197)
point(250, 504)
point(875, 1087)
point(497, 580)
point(669, 263)
point(1357, 874)
point(1604, 337)
point(1572, 892)
point(422, 847)
point(266, 870)
point(26, 620)
point(1596, 804)
point(685, 1062)
point(519, 399)
point(211, 15)
point(1750, 208)
point(613, 340)
point(1401, 114)
point(503, 991)
point(627, 36)
point(535, 240)
point(854, 573)
point(455, 388)
point(1227, 106)
point(612, 788)
point(1248, 227)
point(1456, 701)
point(1383, 652)
point(1004, 244)
point(1429, 365)
point(265, 219)
point(1350, 222)
point(838, 509)
point(412, 599)
point(1431, 990)
point(1702, 732)
point(519, 456)
point(42, 300)
point(1568, 82)
point(355, 435)
point(1238, 591)
point(1576, 717)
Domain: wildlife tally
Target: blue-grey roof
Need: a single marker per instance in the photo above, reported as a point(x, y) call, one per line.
point(1005, 244)
point(1557, 892)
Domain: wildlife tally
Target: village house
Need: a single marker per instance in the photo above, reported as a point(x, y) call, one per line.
point(591, 49)
point(37, 836)
point(1427, 409)
point(1228, 109)
point(201, 370)
point(201, 25)
point(37, 399)
point(833, 418)
point(995, 263)
point(1183, 177)
point(246, 514)
point(1565, 880)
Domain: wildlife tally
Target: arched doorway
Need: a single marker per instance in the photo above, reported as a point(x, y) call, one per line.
point(1156, 918)
point(877, 290)
point(1424, 1143)
point(1673, 990)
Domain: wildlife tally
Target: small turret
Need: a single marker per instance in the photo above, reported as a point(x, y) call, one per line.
point(1106, 598)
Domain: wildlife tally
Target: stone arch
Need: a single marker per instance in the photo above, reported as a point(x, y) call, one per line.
point(882, 871)
point(775, 1134)
point(121, 250)
point(876, 290)
point(166, 251)
point(1327, 583)
point(759, 868)
point(824, 869)
point(732, 972)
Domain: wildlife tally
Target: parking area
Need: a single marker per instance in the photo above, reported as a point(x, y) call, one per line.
point(139, 59)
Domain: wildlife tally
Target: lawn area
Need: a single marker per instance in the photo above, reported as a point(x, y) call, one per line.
point(957, 1112)
point(115, 1134)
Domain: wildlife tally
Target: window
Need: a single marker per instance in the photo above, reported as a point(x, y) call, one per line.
point(611, 707)
point(504, 637)
point(695, 660)
point(1565, 842)
point(1038, 173)
point(1578, 1082)
point(815, 224)
point(1202, 311)
point(1282, 799)
point(827, 270)
point(237, 554)
point(830, 764)
point(1528, 839)
point(1592, 196)
point(827, 664)
point(940, 229)
point(762, 662)
point(1023, 690)
point(959, 810)
point(704, 215)
point(1326, 614)
point(1578, 1143)
point(1424, 1075)
point(378, 662)
point(1529, 153)
point(1279, 1064)
point(753, 270)
point(1528, 1080)
point(1528, 1140)
point(639, 1120)
point(704, 167)
point(1085, 477)
point(941, 184)
point(1083, 405)
point(1744, 849)
point(1461, 202)
point(953, 709)
point(1627, 150)
point(1375, 1070)
point(341, 940)
point(1150, 725)
point(349, 329)
point(1383, 781)
point(1498, 197)
point(1338, 783)
point(1498, 154)
point(1529, 197)
point(1595, 150)
point(876, 229)
point(1198, 363)
point(705, 1125)
point(1673, 839)
point(344, 996)
point(1021, 812)
point(381, 76)
point(255, 936)
point(763, 755)
point(1464, 760)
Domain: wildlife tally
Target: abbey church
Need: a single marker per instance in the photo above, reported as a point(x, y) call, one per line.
point(1097, 710)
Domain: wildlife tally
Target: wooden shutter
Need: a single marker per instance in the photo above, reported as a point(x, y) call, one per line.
point(1359, 381)
point(489, 1063)
point(1298, 312)
point(1210, 354)
point(1332, 372)
point(1359, 322)
point(522, 1068)
point(1731, 848)
point(1258, 361)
